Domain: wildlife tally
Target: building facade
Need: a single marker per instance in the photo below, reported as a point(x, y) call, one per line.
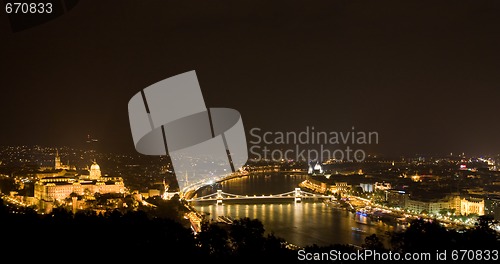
point(459, 205)
point(472, 206)
point(50, 189)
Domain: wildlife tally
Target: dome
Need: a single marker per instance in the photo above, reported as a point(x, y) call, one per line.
point(95, 166)
point(95, 171)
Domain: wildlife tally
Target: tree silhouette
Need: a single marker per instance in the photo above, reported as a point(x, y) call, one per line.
point(422, 236)
point(482, 236)
point(373, 242)
point(123, 235)
point(247, 237)
point(214, 241)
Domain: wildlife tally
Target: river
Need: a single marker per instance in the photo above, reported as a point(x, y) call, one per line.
point(302, 224)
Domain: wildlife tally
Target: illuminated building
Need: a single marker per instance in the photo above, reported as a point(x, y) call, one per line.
point(95, 171)
point(59, 169)
point(342, 186)
point(466, 206)
point(153, 192)
point(58, 165)
point(367, 187)
point(472, 206)
point(316, 170)
point(431, 207)
point(55, 173)
point(50, 189)
point(461, 206)
point(383, 186)
point(396, 198)
point(416, 178)
point(315, 185)
point(417, 206)
point(492, 206)
point(320, 186)
point(455, 204)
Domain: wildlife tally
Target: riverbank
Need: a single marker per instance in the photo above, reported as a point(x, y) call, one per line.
point(306, 223)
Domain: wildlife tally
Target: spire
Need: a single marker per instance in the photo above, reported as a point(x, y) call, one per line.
point(57, 161)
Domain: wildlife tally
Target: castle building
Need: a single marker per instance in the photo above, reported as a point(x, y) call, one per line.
point(59, 187)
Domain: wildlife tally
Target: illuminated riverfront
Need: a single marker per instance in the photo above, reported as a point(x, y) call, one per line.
point(345, 210)
point(326, 204)
point(311, 221)
point(306, 223)
point(249, 131)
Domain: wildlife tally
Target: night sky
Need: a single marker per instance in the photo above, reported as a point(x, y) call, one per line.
point(424, 74)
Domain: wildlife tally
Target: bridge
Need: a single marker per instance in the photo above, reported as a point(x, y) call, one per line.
point(297, 195)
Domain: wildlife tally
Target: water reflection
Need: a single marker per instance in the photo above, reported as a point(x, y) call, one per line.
point(303, 223)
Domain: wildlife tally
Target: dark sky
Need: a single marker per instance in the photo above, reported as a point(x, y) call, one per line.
point(424, 74)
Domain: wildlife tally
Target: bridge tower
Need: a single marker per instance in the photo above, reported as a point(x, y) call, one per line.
point(219, 197)
point(298, 195)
